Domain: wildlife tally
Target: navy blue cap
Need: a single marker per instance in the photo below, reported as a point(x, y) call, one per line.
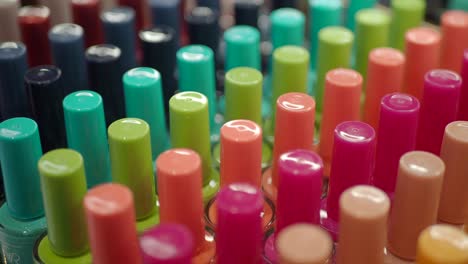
point(166, 12)
point(246, 12)
point(203, 27)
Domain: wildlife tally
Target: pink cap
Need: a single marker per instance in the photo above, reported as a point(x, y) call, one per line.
point(110, 215)
point(439, 107)
point(300, 188)
point(422, 53)
point(239, 232)
point(454, 28)
point(241, 153)
point(463, 103)
point(180, 191)
point(384, 76)
point(167, 244)
point(343, 89)
point(398, 125)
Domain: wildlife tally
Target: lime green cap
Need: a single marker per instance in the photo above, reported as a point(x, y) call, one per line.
point(407, 14)
point(287, 27)
point(190, 128)
point(372, 29)
point(334, 51)
point(144, 99)
point(20, 149)
point(243, 92)
point(63, 185)
point(130, 153)
point(242, 47)
point(86, 133)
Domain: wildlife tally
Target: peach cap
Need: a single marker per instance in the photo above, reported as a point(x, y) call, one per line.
point(454, 28)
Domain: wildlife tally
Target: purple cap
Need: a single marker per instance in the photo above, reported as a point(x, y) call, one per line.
point(396, 135)
point(439, 107)
point(300, 175)
point(463, 105)
point(167, 244)
point(239, 230)
point(352, 163)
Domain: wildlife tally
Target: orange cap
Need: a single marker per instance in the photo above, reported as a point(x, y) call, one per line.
point(384, 76)
point(454, 28)
point(454, 199)
point(111, 224)
point(363, 225)
point(180, 190)
point(241, 153)
point(341, 103)
point(417, 193)
point(422, 55)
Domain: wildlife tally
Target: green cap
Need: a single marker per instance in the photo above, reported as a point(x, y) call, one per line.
point(458, 4)
point(242, 47)
point(86, 133)
point(243, 91)
point(130, 153)
point(144, 100)
point(354, 7)
point(407, 14)
point(372, 29)
point(334, 51)
point(197, 73)
point(63, 185)
point(20, 149)
point(287, 27)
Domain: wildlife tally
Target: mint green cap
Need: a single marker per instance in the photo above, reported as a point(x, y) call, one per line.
point(287, 27)
point(131, 163)
point(20, 149)
point(197, 73)
point(334, 51)
point(63, 185)
point(407, 14)
point(372, 29)
point(242, 47)
point(354, 7)
point(144, 100)
point(86, 133)
point(243, 92)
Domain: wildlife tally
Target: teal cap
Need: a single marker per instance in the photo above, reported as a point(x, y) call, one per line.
point(458, 4)
point(334, 51)
point(197, 73)
point(354, 7)
point(323, 13)
point(144, 100)
point(20, 150)
point(86, 133)
point(407, 14)
point(242, 47)
point(63, 185)
point(287, 27)
point(372, 29)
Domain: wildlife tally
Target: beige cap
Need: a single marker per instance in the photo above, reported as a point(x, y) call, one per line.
point(442, 244)
point(304, 244)
point(60, 11)
point(363, 225)
point(416, 201)
point(9, 31)
point(454, 152)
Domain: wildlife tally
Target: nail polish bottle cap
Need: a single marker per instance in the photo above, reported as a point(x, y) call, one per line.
point(287, 26)
point(454, 28)
point(242, 47)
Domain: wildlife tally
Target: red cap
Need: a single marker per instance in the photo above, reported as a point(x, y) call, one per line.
point(86, 14)
point(111, 224)
point(454, 28)
point(34, 24)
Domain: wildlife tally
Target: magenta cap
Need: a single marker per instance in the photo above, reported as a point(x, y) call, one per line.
point(300, 175)
point(239, 231)
point(463, 105)
point(352, 162)
point(439, 107)
point(396, 135)
point(167, 244)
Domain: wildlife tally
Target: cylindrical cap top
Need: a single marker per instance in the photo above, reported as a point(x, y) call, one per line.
point(442, 244)
point(422, 36)
point(157, 35)
point(287, 26)
point(103, 53)
point(304, 244)
point(142, 77)
point(109, 209)
point(118, 15)
point(20, 150)
point(82, 102)
point(241, 152)
point(42, 76)
point(242, 47)
point(443, 79)
point(33, 14)
point(11, 50)
point(167, 244)
point(336, 36)
point(66, 33)
point(454, 28)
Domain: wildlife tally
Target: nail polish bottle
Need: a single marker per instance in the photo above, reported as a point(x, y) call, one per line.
point(86, 14)
point(34, 23)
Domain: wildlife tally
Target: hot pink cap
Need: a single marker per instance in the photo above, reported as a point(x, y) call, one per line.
point(454, 28)
point(398, 125)
point(463, 103)
point(167, 244)
point(439, 107)
point(239, 231)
